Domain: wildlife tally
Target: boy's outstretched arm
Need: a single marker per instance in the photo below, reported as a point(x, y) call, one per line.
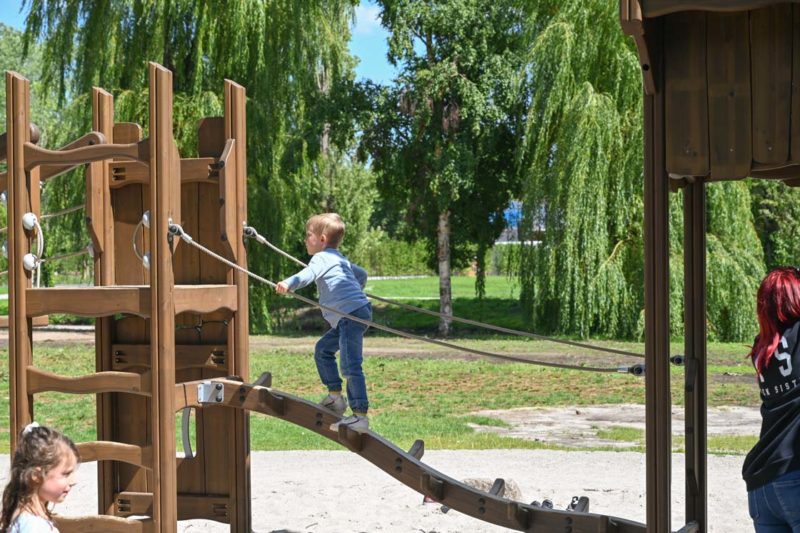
point(299, 280)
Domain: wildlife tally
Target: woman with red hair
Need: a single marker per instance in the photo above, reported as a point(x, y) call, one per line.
point(772, 468)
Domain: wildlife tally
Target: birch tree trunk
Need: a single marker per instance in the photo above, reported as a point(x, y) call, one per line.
point(445, 289)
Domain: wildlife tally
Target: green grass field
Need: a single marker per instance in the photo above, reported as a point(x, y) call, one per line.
point(423, 391)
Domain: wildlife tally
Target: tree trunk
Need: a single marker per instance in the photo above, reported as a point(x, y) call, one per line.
point(445, 290)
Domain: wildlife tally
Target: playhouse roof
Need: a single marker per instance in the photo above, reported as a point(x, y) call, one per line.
point(729, 72)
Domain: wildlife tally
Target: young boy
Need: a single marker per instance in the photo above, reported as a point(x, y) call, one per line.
point(340, 284)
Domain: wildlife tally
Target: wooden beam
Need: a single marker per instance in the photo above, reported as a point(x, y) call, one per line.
point(212, 357)
point(43, 381)
point(98, 451)
point(106, 524)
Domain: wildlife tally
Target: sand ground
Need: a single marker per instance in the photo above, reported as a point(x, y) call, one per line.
point(338, 492)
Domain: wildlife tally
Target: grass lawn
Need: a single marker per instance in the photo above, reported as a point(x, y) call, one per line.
point(429, 398)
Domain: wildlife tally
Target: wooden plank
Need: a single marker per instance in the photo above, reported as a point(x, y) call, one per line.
point(104, 524)
point(130, 382)
point(657, 8)
point(20, 344)
point(101, 227)
point(131, 413)
point(38, 321)
point(205, 298)
point(125, 173)
point(794, 151)
point(193, 505)
point(686, 94)
point(730, 119)
point(98, 451)
point(165, 202)
point(91, 302)
point(236, 128)
point(187, 356)
point(771, 65)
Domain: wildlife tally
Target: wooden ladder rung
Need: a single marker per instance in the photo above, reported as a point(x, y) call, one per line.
point(116, 451)
point(103, 523)
point(44, 381)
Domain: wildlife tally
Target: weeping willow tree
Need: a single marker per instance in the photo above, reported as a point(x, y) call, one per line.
point(291, 55)
point(582, 161)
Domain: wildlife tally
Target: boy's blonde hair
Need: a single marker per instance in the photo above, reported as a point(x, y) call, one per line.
point(329, 224)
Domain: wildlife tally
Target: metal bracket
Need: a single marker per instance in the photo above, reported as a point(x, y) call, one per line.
point(210, 392)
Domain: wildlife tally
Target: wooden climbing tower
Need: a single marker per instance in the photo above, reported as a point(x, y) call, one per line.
point(182, 317)
point(721, 83)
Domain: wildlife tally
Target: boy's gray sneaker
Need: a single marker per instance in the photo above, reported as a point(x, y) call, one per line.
point(357, 422)
point(335, 402)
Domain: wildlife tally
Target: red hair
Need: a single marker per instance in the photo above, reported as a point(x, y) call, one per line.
point(777, 307)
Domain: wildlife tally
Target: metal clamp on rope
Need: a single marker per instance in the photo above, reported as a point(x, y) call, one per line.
point(637, 369)
point(677, 360)
point(210, 392)
point(177, 231)
point(250, 232)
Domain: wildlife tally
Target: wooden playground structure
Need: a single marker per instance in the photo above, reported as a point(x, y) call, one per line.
point(722, 101)
point(172, 328)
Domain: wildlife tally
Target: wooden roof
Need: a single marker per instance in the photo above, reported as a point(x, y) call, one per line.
point(731, 82)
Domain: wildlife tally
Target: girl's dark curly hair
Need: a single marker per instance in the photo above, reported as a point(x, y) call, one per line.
point(39, 449)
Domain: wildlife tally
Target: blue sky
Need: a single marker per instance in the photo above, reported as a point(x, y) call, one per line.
point(368, 42)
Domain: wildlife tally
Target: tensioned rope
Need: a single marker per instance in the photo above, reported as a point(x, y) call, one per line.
point(252, 233)
point(177, 230)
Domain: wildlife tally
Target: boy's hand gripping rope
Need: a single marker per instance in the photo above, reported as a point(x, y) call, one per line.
point(177, 230)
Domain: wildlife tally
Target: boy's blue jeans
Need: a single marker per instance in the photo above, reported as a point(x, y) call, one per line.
point(775, 507)
point(347, 337)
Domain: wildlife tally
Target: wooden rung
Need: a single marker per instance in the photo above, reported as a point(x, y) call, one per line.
point(351, 438)
point(102, 523)
point(38, 321)
point(264, 380)
point(36, 155)
point(417, 449)
point(432, 486)
point(518, 514)
point(498, 487)
point(274, 402)
point(190, 506)
point(209, 356)
point(116, 451)
point(44, 381)
point(133, 299)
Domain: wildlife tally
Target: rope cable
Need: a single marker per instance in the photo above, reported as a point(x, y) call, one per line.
point(252, 233)
point(64, 211)
point(177, 230)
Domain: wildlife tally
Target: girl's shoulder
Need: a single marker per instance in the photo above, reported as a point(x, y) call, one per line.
point(30, 523)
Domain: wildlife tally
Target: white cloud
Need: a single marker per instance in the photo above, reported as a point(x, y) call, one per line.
point(367, 19)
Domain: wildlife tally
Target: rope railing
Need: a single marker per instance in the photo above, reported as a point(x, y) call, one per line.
point(252, 233)
point(54, 214)
point(177, 230)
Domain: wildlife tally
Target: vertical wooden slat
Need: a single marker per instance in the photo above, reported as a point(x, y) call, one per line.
point(656, 293)
point(795, 127)
point(162, 327)
point(100, 222)
point(771, 64)
point(729, 111)
point(20, 348)
point(236, 128)
point(686, 94)
point(694, 290)
point(131, 412)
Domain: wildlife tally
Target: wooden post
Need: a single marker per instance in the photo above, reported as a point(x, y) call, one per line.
point(656, 295)
point(100, 224)
point(164, 171)
point(694, 298)
point(19, 202)
point(239, 348)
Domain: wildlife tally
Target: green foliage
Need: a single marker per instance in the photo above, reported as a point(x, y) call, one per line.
point(291, 56)
point(442, 136)
point(582, 155)
point(382, 255)
point(776, 209)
